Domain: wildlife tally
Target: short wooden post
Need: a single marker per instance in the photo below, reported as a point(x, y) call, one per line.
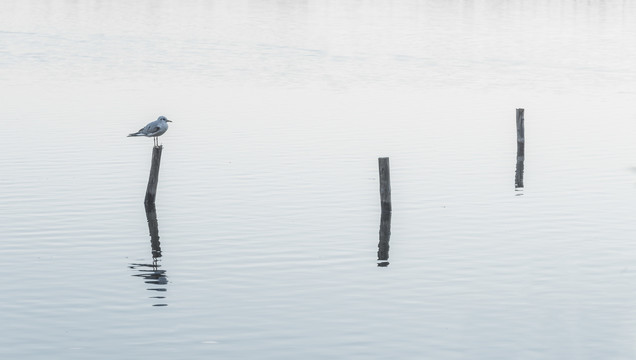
point(385, 184)
point(151, 190)
point(521, 143)
point(521, 139)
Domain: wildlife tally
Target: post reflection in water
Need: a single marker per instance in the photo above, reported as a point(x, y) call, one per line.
point(521, 150)
point(150, 272)
point(519, 174)
point(385, 235)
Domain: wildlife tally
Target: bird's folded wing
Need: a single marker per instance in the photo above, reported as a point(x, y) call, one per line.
point(153, 130)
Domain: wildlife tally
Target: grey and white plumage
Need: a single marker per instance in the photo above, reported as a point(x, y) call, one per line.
point(154, 129)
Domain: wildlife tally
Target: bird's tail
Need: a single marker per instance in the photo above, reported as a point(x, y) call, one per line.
point(134, 134)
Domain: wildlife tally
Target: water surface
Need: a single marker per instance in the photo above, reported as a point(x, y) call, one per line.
point(268, 216)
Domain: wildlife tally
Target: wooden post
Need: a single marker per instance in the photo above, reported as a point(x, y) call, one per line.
point(151, 190)
point(521, 139)
point(521, 143)
point(385, 184)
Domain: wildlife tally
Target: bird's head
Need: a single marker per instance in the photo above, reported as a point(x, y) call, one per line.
point(163, 118)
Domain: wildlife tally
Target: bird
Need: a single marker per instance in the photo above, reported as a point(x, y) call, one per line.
point(154, 129)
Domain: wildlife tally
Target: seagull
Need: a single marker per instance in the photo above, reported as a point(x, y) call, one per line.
point(154, 129)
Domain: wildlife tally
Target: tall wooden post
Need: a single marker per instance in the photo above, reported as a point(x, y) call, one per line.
point(153, 179)
point(385, 184)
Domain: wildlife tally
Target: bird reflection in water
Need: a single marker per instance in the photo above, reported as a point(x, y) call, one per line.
point(385, 235)
point(151, 273)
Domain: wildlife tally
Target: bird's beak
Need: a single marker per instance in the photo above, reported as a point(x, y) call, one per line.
point(168, 120)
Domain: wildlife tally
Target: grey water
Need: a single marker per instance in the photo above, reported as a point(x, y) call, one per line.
point(267, 232)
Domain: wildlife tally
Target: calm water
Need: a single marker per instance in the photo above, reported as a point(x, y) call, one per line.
point(267, 215)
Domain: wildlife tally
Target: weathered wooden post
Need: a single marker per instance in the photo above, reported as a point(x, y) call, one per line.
point(385, 184)
point(153, 179)
point(521, 143)
point(521, 139)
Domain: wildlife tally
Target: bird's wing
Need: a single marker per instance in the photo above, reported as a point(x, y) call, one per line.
point(151, 127)
point(152, 130)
